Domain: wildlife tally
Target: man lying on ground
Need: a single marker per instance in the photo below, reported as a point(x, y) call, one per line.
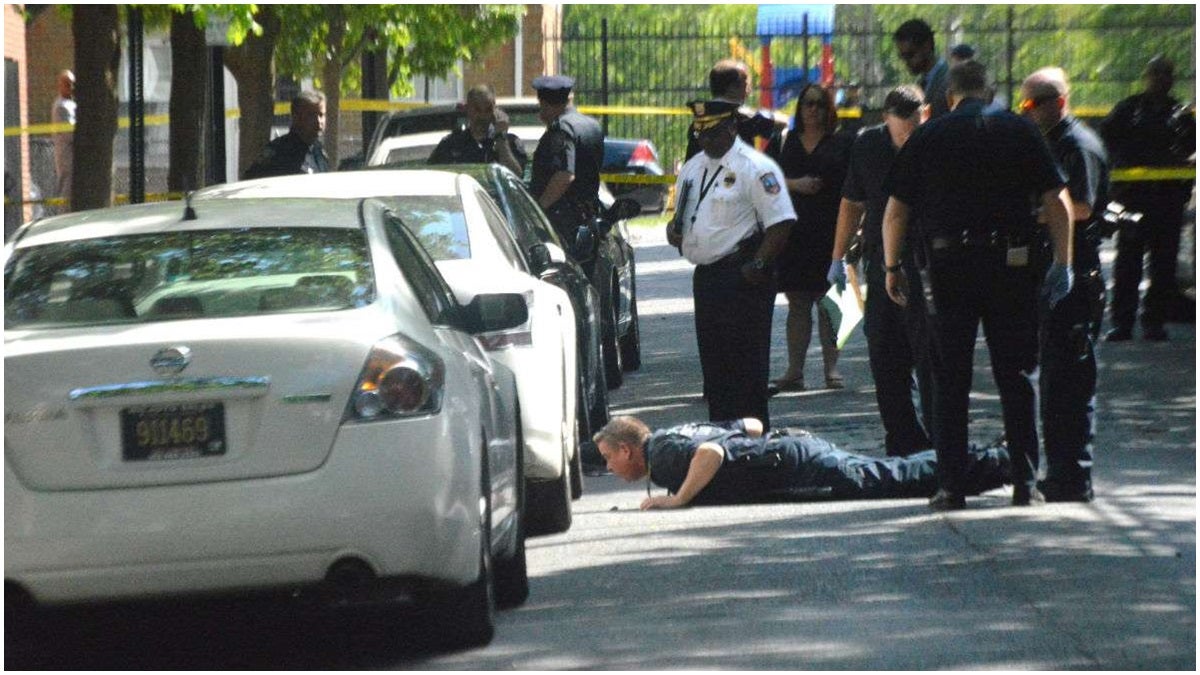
point(732, 462)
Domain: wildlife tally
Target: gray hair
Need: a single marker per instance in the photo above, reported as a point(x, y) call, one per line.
point(623, 429)
point(311, 99)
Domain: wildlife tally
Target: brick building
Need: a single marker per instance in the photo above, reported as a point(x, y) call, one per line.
point(16, 113)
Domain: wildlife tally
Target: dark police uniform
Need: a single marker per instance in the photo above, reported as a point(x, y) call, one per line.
point(971, 179)
point(896, 336)
point(1140, 132)
point(573, 143)
point(725, 206)
point(751, 126)
point(1068, 332)
point(289, 155)
point(788, 465)
point(460, 147)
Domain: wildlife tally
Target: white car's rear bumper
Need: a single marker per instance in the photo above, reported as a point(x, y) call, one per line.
point(405, 507)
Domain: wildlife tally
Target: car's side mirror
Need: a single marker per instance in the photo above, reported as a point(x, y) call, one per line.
point(490, 312)
point(539, 258)
point(623, 209)
point(585, 243)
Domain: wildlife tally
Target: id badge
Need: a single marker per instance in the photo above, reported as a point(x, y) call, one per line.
point(1018, 256)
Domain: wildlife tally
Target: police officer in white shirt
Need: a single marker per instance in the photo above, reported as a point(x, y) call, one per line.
point(732, 219)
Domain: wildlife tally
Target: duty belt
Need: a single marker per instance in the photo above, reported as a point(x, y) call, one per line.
point(745, 250)
point(968, 239)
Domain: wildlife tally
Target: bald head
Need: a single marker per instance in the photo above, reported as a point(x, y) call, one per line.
point(66, 84)
point(1049, 81)
point(1044, 97)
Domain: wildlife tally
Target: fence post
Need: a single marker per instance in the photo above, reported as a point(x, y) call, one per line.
point(137, 109)
point(604, 71)
point(1011, 54)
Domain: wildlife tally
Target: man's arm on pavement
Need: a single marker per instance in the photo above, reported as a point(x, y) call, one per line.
point(850, 215)
point(705, 464)
point(556, 187)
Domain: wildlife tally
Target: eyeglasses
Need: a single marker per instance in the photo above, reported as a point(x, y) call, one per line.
point(1031, 103)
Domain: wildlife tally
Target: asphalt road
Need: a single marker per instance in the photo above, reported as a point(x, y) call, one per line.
point(807, 585)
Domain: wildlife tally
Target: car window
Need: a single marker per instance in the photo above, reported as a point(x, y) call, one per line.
point(498, 224)
point(531, 215)
point(418, 267)
point(179, 275)
point(438, 222)
point(409, 155)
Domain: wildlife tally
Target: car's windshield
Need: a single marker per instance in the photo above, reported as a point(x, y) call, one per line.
point(186, 275)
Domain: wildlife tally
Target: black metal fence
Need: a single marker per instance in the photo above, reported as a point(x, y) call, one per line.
point(660, 64)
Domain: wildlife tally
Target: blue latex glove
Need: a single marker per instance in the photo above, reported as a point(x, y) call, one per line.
point(837, 275)
point(1058, 283)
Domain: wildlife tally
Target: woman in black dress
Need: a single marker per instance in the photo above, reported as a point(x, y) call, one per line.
point(814, 159)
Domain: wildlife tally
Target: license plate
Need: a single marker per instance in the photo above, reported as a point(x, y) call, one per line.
point(176, 431)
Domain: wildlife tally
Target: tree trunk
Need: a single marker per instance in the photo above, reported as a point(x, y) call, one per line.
point(331, 79)
point(96, 30)
point(252, 65)
point(188, 73)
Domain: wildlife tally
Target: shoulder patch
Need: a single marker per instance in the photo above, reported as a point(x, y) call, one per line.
point(769, 183)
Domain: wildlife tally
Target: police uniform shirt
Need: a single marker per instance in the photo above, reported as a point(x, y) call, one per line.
point(573, 143)
point(289, 155)
point(978, 166)
point(729, 199)
point(460, 147)
point(1083, 158)
point(871, 158)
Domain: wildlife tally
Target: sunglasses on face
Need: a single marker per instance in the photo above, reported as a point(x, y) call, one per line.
point(1031, 103)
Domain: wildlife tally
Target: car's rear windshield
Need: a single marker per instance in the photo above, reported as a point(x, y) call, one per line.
point(438, 222)
point(187, 275)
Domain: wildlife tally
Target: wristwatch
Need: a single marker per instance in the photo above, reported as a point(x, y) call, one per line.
point(892, 268)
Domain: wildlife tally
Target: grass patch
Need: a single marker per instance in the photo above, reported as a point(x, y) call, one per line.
point(651, 220)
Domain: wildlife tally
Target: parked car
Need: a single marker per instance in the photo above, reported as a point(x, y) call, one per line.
point(636, 157)
point(256, 394)
point(468, 237)
point(414, 150)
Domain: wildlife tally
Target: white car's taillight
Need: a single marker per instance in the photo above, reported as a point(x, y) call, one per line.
point(521, 336)
point(400, 379)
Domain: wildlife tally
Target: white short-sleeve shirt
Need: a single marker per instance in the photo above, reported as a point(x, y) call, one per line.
point(747, 194)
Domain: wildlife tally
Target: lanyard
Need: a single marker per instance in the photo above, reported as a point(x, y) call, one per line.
point(705, 187)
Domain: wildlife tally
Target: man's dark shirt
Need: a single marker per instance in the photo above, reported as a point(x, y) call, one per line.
point(289, 155)
point(977, 169)
point(1139, 132)
point(934, 84)
point(573, 143)
point(460, 147)
point(1082, 156)
point(871, 158)
point(750, 127)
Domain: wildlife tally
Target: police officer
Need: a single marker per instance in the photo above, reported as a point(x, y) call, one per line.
point(734, 462)
point(732, 219)
point(1068, 333)
point(896, 335)
point(968, 182)
point(1149, 129)
point(729, 81)
point(484, 139)
point(566, 163)
point(299, 150)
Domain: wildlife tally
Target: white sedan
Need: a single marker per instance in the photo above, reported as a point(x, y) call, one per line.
point(263, 394)
point(465, 232)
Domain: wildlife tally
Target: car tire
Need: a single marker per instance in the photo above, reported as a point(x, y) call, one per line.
point(466, 617)
point(512, 572)
point(614, 372)
point(577, 474)
point(631, 342)
point(550, 503)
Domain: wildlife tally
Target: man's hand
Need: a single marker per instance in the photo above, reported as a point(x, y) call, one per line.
point(805, 185)
point(754, 275)
point(1059, 281)
point(897, 287)
point(665, 502)
point(837, 275)
point(500, 122)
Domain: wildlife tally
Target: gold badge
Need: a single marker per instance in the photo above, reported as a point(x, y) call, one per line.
point(730, 179)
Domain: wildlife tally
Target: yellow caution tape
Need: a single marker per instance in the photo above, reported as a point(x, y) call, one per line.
point(636, 179)
point(1149, 173)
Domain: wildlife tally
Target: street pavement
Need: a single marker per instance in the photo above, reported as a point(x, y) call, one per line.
point(817, 584)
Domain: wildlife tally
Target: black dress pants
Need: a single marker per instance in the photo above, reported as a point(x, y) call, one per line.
point(733, 333)
point(969, 286)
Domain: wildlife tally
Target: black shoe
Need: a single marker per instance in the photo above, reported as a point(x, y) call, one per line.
point(1119, 334)
point(1023, 495)
point(1154, 334)
point(947, 501)
point(1058, 492)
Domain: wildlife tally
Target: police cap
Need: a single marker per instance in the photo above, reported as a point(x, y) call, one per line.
point(553, 88)
point(707, 115)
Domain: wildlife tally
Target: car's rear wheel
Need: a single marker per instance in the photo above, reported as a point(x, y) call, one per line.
point(550, 503)
point(614, 371)
point(631, 342)
point(512, 571)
